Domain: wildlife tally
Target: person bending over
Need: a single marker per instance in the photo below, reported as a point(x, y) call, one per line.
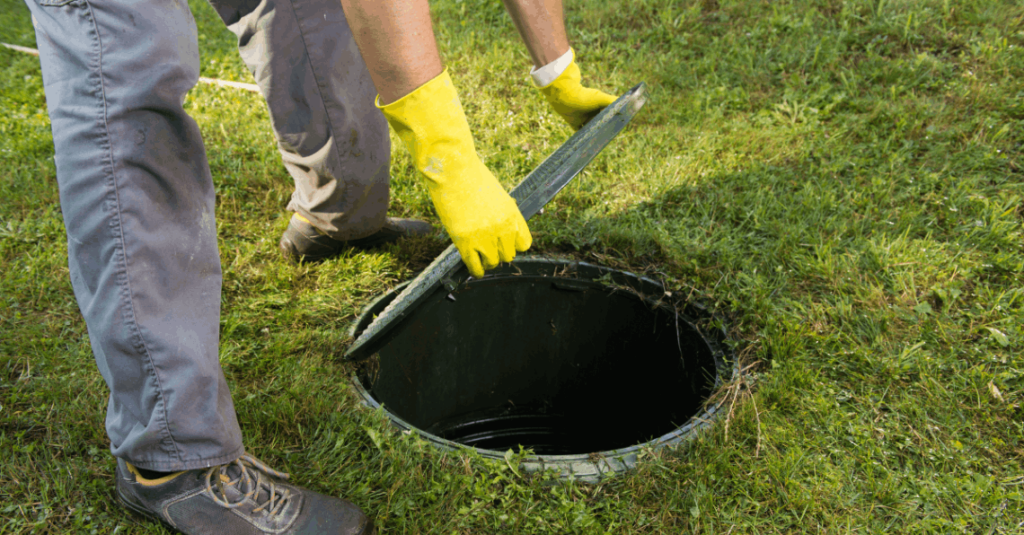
point(138, 205)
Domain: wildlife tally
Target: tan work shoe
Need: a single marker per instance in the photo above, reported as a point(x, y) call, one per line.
point(241, 497)
point(303, 241)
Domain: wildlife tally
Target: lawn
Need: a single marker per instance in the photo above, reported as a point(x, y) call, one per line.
point(842, 180)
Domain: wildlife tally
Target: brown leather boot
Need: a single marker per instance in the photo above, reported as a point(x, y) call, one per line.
point(302, 241)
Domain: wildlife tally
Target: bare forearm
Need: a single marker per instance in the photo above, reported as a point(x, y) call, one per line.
point(541, 26)
point(397, 42)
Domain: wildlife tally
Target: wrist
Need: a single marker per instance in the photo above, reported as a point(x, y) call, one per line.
point(544, 76)
point(433, 126)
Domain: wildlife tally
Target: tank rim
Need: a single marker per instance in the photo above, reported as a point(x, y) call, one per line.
point(587, 467)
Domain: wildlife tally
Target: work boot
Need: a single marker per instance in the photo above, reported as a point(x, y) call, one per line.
point(242, 497)
point(303, 241)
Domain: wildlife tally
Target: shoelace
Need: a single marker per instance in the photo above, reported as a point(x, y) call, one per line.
point(252, 470)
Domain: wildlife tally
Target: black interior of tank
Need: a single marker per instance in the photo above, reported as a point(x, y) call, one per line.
point(556, 365)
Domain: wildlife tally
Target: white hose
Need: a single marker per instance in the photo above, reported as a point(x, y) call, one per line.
point(212, 81)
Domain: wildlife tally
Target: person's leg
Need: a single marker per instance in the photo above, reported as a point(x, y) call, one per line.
point(137, 199)
point(138, 205)
point(333, 140)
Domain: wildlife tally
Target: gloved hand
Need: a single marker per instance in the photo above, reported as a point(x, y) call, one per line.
point(575, 103)
point(482, 219)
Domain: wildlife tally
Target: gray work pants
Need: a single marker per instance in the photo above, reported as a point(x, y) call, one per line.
point(138, 199)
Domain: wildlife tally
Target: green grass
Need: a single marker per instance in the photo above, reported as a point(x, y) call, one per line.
point(842, 179)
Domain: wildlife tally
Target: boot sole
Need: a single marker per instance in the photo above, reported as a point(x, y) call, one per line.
point(290, 251)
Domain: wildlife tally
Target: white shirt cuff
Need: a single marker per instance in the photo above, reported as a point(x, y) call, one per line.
point(543, 76)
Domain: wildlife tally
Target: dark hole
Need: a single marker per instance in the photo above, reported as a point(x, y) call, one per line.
point(557, 365)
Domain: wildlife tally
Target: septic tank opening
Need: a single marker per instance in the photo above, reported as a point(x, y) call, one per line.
point(564, 358)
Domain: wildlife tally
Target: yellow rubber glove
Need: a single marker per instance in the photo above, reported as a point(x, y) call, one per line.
point(575, 103)
point(482, 219)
